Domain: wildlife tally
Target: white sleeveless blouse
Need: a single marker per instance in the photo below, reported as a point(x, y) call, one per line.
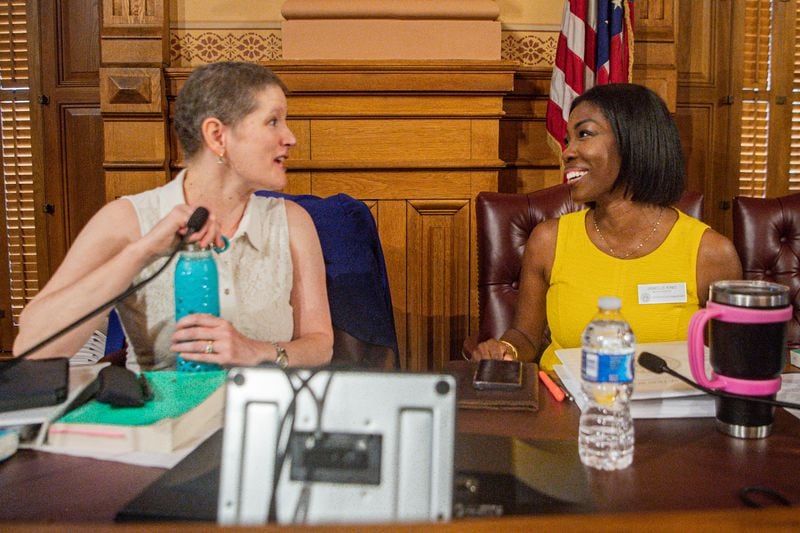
point(255, 280)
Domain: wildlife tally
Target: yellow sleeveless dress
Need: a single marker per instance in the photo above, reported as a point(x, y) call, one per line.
point(582, 273)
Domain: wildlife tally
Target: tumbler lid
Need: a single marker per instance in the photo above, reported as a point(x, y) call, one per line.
point(749, 293)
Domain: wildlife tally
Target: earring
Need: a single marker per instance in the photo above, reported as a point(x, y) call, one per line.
point(221, 158)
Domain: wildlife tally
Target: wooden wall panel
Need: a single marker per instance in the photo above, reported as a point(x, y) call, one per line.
point(134, 49)
point(393, 232)
point(423, 105)
point(438, 278)
point(78, 46)
point(302, 132)
point(697, 60)
point(298, 183)
point(82, 172)
point(696, 126)
point(391, 184)
point(72, 182)
point(484, 139)
point(530, 162)
point(390, 140)
point(128, 182)
point(147, 151)
point(655, 20)
point(704, 110)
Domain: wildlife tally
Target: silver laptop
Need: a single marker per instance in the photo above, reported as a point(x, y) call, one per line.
point(328, 446)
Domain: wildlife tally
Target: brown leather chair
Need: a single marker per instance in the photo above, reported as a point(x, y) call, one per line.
point(766, 234)
point(504, 222)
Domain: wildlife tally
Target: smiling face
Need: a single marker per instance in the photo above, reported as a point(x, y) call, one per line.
point(591, 157)
point(257, 146)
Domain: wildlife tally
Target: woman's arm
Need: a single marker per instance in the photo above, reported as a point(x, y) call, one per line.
point(530, 317)
point(102, 262)
point(716, 260)
point(312, 344)
point(313, 334)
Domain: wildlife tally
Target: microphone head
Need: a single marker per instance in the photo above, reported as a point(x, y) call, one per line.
point(652, 362)
point(196, 221)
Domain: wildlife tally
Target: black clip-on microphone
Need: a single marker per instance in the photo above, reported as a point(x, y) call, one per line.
point(657, 365)
point(196, 221)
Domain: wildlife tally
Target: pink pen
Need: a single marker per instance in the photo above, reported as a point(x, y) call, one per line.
point(554, 389)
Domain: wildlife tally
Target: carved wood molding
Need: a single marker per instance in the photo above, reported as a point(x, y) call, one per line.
point(131, 90)
point(147, 17)
point(134, 47)
point(382, 77)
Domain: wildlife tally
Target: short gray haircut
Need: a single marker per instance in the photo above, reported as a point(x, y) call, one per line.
point(224, 90)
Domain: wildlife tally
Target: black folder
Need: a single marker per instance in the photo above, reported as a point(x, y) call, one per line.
point(33, 383)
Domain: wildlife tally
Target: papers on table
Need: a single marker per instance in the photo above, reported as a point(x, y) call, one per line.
point(790, 390)
point(654, 395)
point(91, 352)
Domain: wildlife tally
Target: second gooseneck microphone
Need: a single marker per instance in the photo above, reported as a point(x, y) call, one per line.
point(657, 365)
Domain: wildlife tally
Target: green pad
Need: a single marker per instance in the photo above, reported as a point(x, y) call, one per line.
point(174, 393)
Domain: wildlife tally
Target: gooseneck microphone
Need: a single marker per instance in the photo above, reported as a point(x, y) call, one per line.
point(657, 365)
point(196, 221)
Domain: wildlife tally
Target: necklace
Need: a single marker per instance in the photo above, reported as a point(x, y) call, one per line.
point(634, 250)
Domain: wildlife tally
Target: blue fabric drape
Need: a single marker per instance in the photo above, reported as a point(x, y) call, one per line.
point(358, 286)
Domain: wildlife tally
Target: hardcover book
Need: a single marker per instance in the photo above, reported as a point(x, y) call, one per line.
point(184, 406)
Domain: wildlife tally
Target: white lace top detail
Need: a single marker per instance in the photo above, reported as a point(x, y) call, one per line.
point(255, 280)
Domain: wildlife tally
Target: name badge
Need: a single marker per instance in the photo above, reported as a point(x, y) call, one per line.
point(662, 293)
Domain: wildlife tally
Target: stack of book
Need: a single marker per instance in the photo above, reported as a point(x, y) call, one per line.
point(185, 406)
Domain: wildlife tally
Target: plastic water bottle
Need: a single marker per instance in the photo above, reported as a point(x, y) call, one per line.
point(605, 438)
point(196, 291)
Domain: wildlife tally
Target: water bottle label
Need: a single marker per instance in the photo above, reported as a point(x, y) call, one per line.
point(607, 368)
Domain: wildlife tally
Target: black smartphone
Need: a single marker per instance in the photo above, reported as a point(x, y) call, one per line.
point(495, 374)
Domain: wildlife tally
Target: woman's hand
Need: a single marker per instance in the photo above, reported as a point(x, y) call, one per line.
point(211, 339)
point(490, 349)
point(164, 236)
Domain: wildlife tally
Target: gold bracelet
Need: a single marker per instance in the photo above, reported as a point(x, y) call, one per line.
point(514, 352)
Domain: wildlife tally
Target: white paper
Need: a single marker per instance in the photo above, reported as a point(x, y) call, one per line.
point(646, 384)
point(654, 395)
point(91, 352)
point(790, 391)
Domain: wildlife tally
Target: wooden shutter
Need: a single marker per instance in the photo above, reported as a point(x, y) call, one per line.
point(770, 159)
point(22, 278)
point(755, 95)
point(794, 155)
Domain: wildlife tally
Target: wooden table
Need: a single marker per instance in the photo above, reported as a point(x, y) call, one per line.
point(682, 467)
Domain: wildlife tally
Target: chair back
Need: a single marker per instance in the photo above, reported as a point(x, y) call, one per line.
point(766, 234)
point(504, 222)
point(360, 302)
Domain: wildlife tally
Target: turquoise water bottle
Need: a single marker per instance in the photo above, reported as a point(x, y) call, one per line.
point(196, 291)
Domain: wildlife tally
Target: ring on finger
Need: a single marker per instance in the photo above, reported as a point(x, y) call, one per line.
point(209, 347)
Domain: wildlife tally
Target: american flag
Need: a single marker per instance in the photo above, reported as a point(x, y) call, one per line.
point(595, 47)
